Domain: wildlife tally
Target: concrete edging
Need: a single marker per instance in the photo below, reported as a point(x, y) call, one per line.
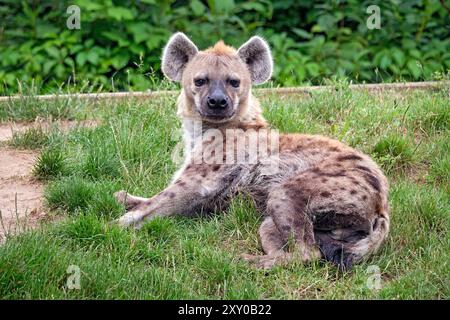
point(288, 90)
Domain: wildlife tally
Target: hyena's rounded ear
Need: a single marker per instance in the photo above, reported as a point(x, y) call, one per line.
point(177, 53)
point(256, 54)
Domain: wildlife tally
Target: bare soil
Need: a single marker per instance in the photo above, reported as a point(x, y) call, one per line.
point(20, 194)
point(8, 128)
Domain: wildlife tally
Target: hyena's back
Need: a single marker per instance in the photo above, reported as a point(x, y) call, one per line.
point(342, 191)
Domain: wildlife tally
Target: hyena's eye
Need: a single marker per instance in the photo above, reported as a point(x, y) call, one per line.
point(199, 82)
point(234, 83)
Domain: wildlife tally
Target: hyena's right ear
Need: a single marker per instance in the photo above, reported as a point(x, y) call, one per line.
point(177, 53)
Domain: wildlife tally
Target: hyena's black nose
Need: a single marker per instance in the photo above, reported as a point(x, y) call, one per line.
point(218, 101)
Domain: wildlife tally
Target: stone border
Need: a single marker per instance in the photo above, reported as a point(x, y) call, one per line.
point(288, 90)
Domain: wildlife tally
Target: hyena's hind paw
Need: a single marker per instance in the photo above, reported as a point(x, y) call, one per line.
point(273, 259)
point(265, 262)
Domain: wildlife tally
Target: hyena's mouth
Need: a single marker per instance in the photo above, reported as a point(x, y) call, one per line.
point(222, 116)
point(218, 118)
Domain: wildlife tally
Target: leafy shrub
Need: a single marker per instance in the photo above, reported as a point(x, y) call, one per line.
point(119, 44)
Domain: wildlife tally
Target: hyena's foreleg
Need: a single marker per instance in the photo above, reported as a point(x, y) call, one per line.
point(197, 190)
point(171, 200)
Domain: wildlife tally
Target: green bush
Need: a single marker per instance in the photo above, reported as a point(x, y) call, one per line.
point(119, 44)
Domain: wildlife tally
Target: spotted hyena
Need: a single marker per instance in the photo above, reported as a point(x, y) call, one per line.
point(318, 198)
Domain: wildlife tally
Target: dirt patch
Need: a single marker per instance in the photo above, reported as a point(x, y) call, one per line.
point(8, 128)
point(20, 194)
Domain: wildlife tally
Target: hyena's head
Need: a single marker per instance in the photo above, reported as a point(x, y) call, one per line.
point(217, 81)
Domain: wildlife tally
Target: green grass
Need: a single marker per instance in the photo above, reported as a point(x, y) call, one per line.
point(29, 107)
point(32, 138)
point(49, 164)
point(181, 258)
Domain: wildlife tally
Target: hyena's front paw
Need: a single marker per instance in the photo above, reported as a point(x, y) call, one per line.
point(121, 196)
point(130, 219)
point(126, 199)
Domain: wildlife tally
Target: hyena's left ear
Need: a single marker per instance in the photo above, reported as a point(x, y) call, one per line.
point(256, 54)
point(177, 53)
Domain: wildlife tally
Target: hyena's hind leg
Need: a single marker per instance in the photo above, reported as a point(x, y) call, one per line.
point(128, 200)
point(270, 237)
point(290, 216)
point(271, 243)
point(342, 214)
point(288, 221)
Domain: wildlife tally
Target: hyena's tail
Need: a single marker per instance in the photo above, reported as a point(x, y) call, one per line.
point(344, 252)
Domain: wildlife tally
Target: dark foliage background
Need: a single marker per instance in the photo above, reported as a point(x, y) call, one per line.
point(119, 44)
